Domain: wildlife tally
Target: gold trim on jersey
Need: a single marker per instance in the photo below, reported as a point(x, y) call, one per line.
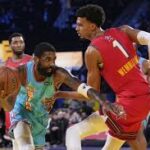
point(128, 66)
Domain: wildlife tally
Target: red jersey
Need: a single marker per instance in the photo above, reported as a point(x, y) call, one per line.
point(122, 73)
point(120, 64)
point(15, 63)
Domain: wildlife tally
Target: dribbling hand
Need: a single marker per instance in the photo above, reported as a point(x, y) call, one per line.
point(115, 109)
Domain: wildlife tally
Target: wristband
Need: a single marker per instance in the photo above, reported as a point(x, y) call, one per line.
point(83, 89)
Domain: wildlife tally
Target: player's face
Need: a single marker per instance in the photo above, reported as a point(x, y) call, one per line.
point(84, 28)
point(17, 45)
point(46, 63)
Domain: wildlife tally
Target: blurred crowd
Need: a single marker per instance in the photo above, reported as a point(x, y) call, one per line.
point(51, 20)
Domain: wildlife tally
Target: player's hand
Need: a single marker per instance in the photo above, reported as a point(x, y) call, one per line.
point(115, 109)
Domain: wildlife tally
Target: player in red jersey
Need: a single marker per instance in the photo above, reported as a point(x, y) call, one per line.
point(17, 44)
point(111, 54)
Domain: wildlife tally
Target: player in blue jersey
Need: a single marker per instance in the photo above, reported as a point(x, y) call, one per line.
point(40, 78)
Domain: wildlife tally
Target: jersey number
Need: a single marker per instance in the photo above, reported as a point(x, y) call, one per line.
point(120, 47)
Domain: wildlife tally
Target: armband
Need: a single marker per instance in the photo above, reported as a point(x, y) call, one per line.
point(143, 38)
point(83, 89)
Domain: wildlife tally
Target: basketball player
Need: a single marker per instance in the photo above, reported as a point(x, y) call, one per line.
point(40, 78)
point(17, 44)
point(111, 54)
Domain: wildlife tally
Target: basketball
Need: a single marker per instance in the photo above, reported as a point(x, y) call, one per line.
point(9, 81)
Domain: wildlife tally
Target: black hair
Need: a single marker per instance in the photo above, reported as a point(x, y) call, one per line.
point(92, 13)
point(15, 35)
point(43, 47)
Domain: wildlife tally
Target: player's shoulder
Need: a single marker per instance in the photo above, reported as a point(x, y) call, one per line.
point(91, 50)
point(28, 57)
point(60, 70)
point(63, 73)
point(125, 28)
point(114, 30)
point(60, 74)
point(8, 60)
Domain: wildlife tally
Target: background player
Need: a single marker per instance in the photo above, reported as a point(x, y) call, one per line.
point(17, 45)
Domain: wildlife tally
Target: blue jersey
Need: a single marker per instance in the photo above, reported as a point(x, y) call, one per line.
point(34, 93)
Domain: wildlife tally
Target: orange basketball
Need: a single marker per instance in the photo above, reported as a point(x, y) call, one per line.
point(9, 81)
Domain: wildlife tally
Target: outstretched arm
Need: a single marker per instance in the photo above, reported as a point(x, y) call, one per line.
point(70, 95)
point(137, 36)
point(76, 85)
point(88, 92)
point(93, 67)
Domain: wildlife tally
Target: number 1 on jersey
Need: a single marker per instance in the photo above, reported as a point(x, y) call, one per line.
point(120, 47)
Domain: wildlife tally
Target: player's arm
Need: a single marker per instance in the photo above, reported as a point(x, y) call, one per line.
point(70, 95)
point(88, 92)
point(93, 61)
point(59, 78)
point(82, 89)
point(72, 82)
point(137, 36)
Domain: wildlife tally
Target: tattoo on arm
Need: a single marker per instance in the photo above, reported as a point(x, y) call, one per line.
point(72, 82)
point(69, 80)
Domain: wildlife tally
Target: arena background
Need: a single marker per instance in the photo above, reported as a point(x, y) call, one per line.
point(54, 21)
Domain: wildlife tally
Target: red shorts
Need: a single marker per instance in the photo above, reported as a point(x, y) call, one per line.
point(137, 109)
